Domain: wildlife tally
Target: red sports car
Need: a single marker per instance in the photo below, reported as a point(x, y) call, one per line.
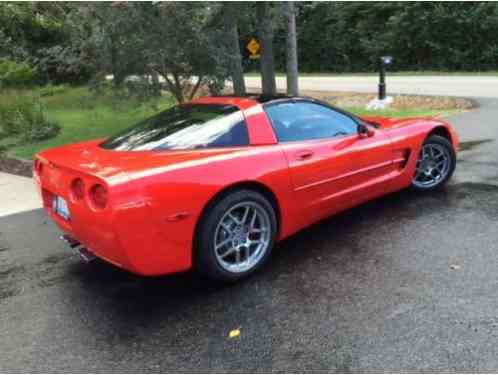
point(214, 183)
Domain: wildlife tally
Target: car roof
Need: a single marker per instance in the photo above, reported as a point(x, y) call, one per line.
point(249, 100)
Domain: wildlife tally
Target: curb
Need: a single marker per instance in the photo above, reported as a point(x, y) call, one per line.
point(16, 166)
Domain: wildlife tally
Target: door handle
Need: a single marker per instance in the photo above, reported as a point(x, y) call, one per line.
point(303, 155)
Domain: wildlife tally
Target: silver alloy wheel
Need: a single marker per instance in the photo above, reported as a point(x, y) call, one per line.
point(433, 165)
point(242, 237)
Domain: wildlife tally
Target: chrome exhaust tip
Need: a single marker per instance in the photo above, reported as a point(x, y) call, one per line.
point(70, 241)
point(86, 255)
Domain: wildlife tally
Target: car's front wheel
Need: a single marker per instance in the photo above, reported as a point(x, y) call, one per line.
point(435, 164)
point(235, 236)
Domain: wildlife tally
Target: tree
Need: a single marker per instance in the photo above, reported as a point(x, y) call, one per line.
point(292, 71)
point(180, 44)
point(40, 34)
point(232, 35)
point(115, 42)
point(265, 33)
point(184, 46)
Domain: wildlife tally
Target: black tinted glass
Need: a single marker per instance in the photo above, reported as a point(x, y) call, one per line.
point(185, 127)
point(305, 121)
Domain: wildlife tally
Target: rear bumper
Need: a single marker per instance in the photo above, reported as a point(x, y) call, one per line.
point(127, 234)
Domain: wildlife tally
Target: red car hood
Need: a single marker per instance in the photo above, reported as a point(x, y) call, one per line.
point(89, 158)
point(389, 123)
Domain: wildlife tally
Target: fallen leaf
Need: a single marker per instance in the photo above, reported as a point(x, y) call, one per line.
point(234, 333)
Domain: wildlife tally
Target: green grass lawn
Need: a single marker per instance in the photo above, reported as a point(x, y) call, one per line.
point(82, 115)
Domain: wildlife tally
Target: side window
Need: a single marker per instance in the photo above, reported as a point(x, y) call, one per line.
point(306, 121)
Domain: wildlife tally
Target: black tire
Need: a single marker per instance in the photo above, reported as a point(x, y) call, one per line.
point(441, 142)
point(205, 259)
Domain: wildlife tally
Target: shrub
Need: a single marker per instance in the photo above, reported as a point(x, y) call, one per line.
point(51, 90)
point(63, 64)
point(26, 120)
point(16, 74)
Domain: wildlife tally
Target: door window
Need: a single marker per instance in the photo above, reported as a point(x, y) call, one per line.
point(303, 121)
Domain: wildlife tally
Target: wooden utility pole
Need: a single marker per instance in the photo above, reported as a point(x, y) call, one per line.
point(232, 36)
point(265, 33)
point(292, 68)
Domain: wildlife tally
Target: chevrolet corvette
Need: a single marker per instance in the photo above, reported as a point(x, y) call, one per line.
point(213, 184)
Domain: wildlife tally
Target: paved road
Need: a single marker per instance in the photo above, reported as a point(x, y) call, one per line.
point(368, 290)
point(466, 86)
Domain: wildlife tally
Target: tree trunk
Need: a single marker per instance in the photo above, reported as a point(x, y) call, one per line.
point(156, 86)
point(117, 76)
point(232, 36)
point(292, 71)
point(265, 31)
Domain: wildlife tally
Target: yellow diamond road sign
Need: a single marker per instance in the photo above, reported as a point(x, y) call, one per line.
point(253, 47)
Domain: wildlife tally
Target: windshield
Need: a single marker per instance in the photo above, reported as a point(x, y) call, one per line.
point(182, 127)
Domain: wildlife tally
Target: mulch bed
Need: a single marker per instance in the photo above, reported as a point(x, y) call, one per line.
point(406, 102)
point(16, 166)
point(346, 100)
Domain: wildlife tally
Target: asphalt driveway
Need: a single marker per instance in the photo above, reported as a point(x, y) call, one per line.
point(405, 283)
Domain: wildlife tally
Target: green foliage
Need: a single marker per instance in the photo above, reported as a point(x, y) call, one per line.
point(58, 64)
point(350, 36)
point(16, 74)
point(48, 36)
point(182, 43)
point(51, 90)
point(25, 118)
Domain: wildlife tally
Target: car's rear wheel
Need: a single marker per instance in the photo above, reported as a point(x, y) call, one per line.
point(435, 164)
point(235, 236)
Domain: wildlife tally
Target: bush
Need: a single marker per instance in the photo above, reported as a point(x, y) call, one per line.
point(51, 90)
point(62, 64)
point(26, 120)
point(16, 74)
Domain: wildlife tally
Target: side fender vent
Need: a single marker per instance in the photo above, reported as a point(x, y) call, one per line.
point(401, 158)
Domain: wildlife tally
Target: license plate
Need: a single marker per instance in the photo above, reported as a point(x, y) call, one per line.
point(60, 207)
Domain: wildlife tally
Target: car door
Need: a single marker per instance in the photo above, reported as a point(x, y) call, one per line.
point(332, 166)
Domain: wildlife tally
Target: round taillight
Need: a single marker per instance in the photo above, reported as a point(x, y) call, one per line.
point(78, 189)
point(98, 196)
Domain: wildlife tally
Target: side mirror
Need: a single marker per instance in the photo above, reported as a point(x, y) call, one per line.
point(364, 131)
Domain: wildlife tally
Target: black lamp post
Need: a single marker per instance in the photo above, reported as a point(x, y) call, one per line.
point(384, 61)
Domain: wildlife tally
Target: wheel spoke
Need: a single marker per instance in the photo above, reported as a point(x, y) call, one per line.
point(431, 152)
point(234, 218)
point(226, 228)
point(228, 252)
point(244, 217)
point(253, 220)
point(223, 243)
point(256, 242)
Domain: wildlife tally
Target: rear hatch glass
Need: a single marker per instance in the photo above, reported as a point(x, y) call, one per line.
point(182, 127)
